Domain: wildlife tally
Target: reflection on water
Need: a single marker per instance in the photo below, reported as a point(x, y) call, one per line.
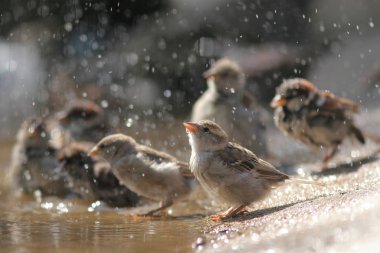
point(71, 226)
point(95, 232)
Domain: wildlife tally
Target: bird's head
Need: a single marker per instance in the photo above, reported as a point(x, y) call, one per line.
point(33, 132)
point(206, 135)
point(226, 75)
point(294, 94)
point(113, 147)
point(80, 112)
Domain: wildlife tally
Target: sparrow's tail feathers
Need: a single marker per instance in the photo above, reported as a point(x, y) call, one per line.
point(358, 134)
point(372, 137)
point(306, 181)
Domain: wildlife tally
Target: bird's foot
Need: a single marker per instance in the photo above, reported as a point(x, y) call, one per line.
point(153, 213)
point(325, 166)
point(147, 216)
point(230, 213)
point(217, 217)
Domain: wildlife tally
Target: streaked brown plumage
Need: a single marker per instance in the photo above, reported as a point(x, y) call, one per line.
point(230, 173)
point(316, 118)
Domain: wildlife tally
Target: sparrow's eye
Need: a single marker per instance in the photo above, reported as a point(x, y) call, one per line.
point(206, 129)
point(102, 146)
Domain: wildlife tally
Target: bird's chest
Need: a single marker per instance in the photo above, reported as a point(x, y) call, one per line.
point(199, 163)
point(209, 171)
point(129, 174)
point(290, 122)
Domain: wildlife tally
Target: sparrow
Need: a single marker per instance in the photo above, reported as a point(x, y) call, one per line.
point(34, 165)
point(314, 117)
point(228, 103)
point(84, 121)
point(228, 172)
point(92, 179)
point(147, 172)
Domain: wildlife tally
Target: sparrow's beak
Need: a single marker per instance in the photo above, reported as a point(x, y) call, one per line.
point(62, 117)
point(93, 152)
point(191, 127)
point(34, 133)
point(210, 75)
point(278, 101)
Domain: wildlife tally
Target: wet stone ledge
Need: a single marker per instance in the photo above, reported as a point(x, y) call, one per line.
point(341, 216)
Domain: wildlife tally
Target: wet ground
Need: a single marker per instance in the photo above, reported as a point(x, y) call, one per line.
point(342, 215)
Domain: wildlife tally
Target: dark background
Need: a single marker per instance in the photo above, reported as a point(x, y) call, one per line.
point(144, 59)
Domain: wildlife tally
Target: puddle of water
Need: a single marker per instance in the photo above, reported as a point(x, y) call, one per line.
point(67, 225)
point(94, 232)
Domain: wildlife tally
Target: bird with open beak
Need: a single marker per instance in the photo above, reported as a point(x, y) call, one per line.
point(228, 103)
point(228, 172)
point(147, 172)
point(316, 118)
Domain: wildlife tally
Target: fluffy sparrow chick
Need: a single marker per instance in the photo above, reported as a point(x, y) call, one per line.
point(34, 164)
point(147, 172)
point(225, 102)
point(84, 120)
point(231, 174)
point(316, 118)
point(92, 179)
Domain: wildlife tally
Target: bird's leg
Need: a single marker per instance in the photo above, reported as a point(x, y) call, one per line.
point(328, 156)
point(164, 204)
point(231, 212)
point(238, 211)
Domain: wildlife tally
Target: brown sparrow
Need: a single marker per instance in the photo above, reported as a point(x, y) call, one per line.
point(34, 165)
point(92, 178)
point(225, 102)
point(147, 172)
point(316, 118)
point(84, 121)
point(231, 174)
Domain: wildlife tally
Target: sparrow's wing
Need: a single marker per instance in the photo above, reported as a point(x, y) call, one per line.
point(332, 112)
point(238, 158)
point(184, 169)
point(333, 103)
point(159, 157)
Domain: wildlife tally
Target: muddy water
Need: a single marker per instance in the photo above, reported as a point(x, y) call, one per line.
point(72, 225)
point(94, 232)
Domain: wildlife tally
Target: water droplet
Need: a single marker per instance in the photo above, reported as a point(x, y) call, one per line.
point(68, 27)
point(104, 103)
point(129, 122)
point(167, 93)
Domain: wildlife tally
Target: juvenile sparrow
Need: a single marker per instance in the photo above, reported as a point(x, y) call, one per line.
point(231, 174)
point(84, 121)
point(92, 179)
point(316, 118)
point(228, 103)
point(34, 164)
point(147, 172)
